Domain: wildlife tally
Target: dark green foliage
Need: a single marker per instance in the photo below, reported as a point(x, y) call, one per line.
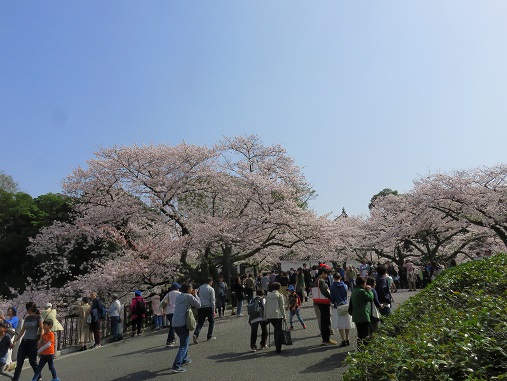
point(455, 329)
point(21, 218)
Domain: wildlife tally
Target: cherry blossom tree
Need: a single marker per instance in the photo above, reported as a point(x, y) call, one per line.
point(477, 196)
point(153, 212)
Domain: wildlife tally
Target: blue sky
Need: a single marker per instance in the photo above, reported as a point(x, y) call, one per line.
point(364, 95)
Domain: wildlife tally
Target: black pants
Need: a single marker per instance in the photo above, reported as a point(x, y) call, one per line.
point(277, 325)
point(325, 321)
point(27, 348)
point(204, 313)
point(253, 333)
point(363, 332)
point(137, 324)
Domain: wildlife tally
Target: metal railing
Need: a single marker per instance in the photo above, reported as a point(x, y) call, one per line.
point(69, 336)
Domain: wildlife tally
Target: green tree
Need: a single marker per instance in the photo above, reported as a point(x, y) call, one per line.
point(21, 218)
point(384, 192)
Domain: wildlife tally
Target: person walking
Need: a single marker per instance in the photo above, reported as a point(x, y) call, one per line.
point(13, 320)
point(29, 337)
point(274, 313)
point(5, 347)
point(185, 301)
point(256, 319)
point(50, 313)
point(294, 302)
point(170, 298)
point(46, 351)
point(206, 311)
point(137, 312)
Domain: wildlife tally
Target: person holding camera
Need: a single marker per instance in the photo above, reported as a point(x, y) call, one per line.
point(29, 336)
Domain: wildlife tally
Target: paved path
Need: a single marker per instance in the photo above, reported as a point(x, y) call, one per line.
point(227, 358)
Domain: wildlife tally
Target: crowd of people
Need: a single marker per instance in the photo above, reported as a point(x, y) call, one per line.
point(343, 298)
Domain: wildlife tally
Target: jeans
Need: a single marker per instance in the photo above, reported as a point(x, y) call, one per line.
point(170, 336)
point(297, 313)
point(27, 348)
point(277, 325)
point(253, 333)
point(202, 314)
point(157, 321)
point(182, 355)
point(49, 359)
point(114, 327)
point(239, 307)
point(221, 305)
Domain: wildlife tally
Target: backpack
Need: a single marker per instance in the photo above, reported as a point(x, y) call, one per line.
point(255, 308)
point(140, 308)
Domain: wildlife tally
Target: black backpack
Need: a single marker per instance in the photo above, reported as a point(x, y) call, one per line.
point(140, 308)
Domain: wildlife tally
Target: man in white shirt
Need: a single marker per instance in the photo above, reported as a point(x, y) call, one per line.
point(207, 310)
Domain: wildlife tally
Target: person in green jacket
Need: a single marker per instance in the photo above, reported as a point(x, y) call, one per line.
point(361, 296)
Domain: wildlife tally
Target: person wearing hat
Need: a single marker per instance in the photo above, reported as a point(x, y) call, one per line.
point(169, 301)
point(294, 302)
point(50, 313)
point(137, 312)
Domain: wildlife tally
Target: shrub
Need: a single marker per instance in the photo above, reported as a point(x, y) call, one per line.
point(455, 329)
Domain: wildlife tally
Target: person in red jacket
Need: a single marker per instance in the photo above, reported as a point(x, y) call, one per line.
point(137, 312)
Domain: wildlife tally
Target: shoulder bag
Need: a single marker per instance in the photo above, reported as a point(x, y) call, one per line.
point(190, 320)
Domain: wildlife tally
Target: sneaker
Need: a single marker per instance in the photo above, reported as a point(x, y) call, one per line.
point(330, 342)
point(212, 338)
point(195, 339)
point(291, 328)
point(55, 379)
point(240, 315)
point(254, 348)
point(304, 326)
point(178, 370)
point(264, 347)
point(171, 344)
point(186, 362)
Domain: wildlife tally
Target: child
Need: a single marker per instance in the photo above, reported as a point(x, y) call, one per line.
point(46, 351)
point(5, 344)
point(294, 303)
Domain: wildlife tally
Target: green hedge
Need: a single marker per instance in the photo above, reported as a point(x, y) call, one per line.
point(455, 329)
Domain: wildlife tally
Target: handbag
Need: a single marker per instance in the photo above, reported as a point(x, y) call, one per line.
point(343, 309)
point(286, 338)
point(89, 319)
point(190, 319)
point(317, 296)
point(374, 313)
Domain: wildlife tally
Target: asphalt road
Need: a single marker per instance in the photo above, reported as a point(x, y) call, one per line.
point(226, 358)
